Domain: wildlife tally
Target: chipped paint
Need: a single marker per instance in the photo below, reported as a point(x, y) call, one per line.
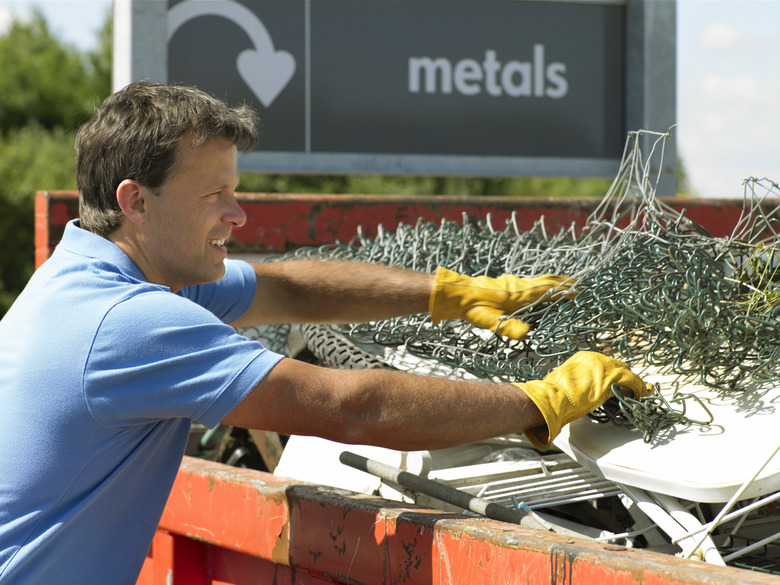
point(561, 562)
point(307, 534)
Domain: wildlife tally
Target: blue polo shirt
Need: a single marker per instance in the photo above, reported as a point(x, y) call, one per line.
point(101, 374)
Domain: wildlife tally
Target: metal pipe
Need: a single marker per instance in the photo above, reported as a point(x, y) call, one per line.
point(523, 516)
point(718, 519)
point(752, 547)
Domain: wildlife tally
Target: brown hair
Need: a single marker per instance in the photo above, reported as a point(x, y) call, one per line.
point(135, 133)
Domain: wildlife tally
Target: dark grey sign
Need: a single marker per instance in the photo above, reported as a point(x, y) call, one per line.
point(437, 86)
point(459, 77)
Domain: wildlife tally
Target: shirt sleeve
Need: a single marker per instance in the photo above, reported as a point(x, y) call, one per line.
point(231, 296)
point(157, 356)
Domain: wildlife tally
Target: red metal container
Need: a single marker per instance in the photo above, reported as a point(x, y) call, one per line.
point(224, 525)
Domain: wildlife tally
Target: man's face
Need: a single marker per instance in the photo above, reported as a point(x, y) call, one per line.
point(189, 218)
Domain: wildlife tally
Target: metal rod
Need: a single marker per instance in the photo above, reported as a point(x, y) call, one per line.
point(718, 519)
point(446, 493)
point(752, 547)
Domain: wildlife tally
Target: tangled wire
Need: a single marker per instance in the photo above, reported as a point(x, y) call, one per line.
point(652, 287)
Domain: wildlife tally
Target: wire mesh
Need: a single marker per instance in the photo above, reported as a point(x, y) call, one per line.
point(652, 287)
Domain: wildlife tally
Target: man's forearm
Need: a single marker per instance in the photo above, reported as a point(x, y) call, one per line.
point(423, 412)
point(385, 408)
point(306, 291)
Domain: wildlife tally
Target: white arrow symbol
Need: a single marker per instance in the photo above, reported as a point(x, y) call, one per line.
point(265, 70)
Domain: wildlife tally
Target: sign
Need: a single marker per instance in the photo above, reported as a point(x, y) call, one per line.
point(487, 87)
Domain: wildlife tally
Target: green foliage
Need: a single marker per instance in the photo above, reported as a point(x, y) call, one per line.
point(98, 63)
point(684, 187)
point(49, 89)
point(43, 80)
point(31, 159)
point(398, 185)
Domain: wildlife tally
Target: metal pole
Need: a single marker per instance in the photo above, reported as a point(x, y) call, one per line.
point(446, 493)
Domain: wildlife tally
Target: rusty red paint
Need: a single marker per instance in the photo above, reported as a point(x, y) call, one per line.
point(42, 228)
point(255, 523)
point(334, 536)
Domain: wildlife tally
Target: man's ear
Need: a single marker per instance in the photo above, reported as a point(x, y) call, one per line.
point(130, 196)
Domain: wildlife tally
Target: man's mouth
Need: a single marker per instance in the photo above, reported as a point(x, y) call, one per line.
point(218, 243)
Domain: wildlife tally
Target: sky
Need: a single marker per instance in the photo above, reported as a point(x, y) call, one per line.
point(728, 82)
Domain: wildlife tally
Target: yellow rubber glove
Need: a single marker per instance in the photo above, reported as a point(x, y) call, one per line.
point(579, 385)
point(482, 300)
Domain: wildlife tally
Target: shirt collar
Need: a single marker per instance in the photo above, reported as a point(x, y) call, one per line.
point(77, 240)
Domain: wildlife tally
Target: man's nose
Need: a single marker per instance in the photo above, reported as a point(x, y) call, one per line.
point(234, 215)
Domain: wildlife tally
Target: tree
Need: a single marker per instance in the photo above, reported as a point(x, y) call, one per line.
point(48, 90)
point(409, 185)
point(30, 159)
point(44, 81)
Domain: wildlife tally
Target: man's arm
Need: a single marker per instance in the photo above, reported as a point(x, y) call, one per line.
point(403, 411)
point(310, 291)
point(381, 407)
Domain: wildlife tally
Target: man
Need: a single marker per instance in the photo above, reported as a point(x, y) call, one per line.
point(121, 339)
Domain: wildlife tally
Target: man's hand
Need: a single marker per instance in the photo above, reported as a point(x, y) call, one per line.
point(483, 301)
point(579, 385)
